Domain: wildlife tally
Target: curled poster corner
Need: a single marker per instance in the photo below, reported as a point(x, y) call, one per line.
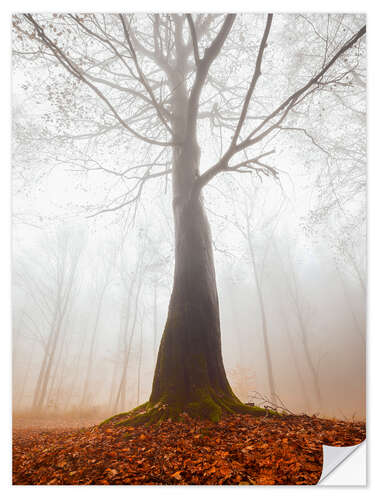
point(355, 470)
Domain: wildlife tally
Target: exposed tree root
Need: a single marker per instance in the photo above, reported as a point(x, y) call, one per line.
point(208, 407)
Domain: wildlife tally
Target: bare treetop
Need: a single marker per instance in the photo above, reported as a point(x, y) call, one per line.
point(164, 79)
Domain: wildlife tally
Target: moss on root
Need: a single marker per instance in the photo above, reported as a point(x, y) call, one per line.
point(205, 406)
point(123, 416)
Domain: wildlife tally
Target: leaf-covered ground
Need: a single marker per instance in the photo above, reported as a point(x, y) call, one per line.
point(237, 450)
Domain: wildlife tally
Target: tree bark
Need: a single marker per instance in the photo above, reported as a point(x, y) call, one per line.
point(189, 374)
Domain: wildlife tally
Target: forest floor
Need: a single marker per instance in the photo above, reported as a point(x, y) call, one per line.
point(240, 449)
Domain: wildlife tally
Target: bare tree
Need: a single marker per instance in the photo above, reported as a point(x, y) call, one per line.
point(140, 359)
point(304, 391)
point(51, 291)
point(151, 77)
point(132, 285)
point(249, 224)
point(348, 300)
point(297, 299)
point(101, 287)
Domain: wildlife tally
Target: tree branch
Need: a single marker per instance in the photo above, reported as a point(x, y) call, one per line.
point(291, 100)
point(156, 56)
point(256, 75)
point(159, 109)
point(137, 196)
point(304, 131)
point(75, 71)
point(221, 166)
point(283, 108)
point(203, 67)
point(193, 38)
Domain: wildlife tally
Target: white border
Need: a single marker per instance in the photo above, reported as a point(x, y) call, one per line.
point(5, 352)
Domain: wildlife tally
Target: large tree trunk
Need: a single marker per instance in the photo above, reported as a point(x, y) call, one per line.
point(189, 374)
point(190, 368)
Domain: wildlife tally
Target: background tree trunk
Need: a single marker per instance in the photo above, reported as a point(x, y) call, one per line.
point(271, 379)
point(304, 392)
point(155, 320)
point(140, 353)
point(85, 402)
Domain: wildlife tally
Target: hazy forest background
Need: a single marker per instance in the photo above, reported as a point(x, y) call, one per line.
point(91, 283)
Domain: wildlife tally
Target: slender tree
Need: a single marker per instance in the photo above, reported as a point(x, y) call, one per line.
point(50, 284)
point(304, 392)
point(101, 287)
point(348, 301)
point(65, 273)
point(296, 296)
point(140, 359)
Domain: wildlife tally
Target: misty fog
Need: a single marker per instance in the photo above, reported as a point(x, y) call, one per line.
point(91, 284)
